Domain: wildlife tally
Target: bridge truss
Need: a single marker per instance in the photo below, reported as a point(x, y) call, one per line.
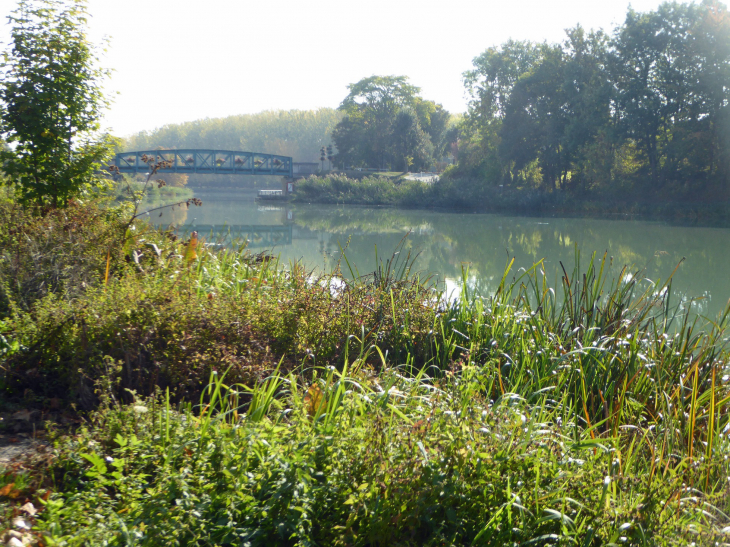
point(217, 162)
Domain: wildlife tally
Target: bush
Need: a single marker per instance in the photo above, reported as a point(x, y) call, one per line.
point(62, 253)
point(166, 320)
point(373, 190)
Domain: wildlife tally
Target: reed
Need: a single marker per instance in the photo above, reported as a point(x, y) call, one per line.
point(268, 404)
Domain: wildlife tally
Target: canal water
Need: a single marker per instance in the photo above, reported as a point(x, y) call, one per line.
point(448, 242)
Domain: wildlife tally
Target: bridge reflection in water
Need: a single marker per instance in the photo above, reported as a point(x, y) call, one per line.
point(257, 236)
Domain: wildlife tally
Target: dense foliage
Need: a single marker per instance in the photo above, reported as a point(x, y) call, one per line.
point(387, 124)
point(455, 191)
point(646, 107)
point(368, 411)
point(51, 101)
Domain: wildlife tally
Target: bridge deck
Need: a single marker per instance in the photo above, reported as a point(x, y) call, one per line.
point(219, 162)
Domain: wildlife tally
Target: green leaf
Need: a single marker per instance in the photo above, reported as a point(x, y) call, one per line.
point(97, 462)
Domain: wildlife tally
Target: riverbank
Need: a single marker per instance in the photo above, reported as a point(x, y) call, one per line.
point(226, 398)
point(468, 195)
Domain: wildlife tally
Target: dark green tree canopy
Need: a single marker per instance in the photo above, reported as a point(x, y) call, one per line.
point(648, 103)
point(384, 95)
point(387, 123)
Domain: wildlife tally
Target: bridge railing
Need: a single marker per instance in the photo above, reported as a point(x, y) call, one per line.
point(222, 162)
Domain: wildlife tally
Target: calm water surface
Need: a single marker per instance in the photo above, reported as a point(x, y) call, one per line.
point(484, 243)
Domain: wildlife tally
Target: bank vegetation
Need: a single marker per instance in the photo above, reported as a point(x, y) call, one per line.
point(227, 398)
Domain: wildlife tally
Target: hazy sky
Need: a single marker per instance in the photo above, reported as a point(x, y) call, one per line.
point(180, 60)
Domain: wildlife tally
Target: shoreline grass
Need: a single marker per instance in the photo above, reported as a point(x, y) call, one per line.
point(235, 400)
point(454, 194)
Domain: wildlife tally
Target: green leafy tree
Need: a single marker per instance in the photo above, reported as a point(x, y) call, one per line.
point(384, 114)
point(496, 71)
point(409, 142)
point(642, 70)
point(362, 138)
point(671, 71)
point(51, 102)
point(489, 86)
point(434, 120)
point(535, 118)
point(711, 49)
point(587, 92)
point(650, 103)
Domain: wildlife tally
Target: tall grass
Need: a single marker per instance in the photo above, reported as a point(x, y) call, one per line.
point(350, 457)
point(268, 405)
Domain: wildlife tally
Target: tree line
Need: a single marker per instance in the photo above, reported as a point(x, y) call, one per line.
point(647, 105)
point(383, 122)
point(296, 133)
point(642, 107)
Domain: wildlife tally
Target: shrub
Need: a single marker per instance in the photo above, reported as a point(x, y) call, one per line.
point(61, 253)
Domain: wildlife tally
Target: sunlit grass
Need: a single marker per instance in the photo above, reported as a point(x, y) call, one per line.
point(239, 399)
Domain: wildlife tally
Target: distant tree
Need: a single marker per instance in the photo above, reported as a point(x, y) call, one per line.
point(650, 102)
point(496, 71)
point(52, 101)
point(351, 138)
point(490, 85)
point(589, 140)
point(671, 71)
point(296, 133)
point(384, 115)
point(535, 118)
point(432, 117)
point(711, 68)
point(370, 108)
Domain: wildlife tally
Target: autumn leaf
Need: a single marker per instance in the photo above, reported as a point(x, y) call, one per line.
point(9, 491)
point(190, 253)
point(314, 400)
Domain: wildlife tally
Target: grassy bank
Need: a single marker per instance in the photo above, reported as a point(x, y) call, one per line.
point(367, 190)
point(465, 194)
point(229, 399)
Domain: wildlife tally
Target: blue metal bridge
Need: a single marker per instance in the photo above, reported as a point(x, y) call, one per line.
point(215, 162)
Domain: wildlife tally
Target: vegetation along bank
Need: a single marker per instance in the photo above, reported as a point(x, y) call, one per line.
point(453, 193)
point(186, 394)
point(637, 116)
point(227, 399)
